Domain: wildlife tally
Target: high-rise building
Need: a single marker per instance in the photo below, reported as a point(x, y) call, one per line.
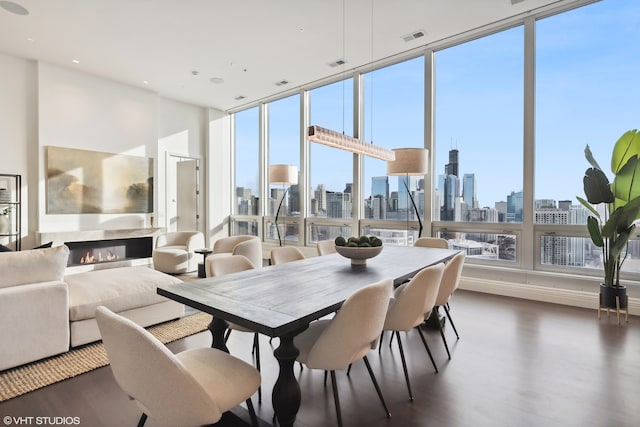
point(469, 190)
point(451, 168)
point(514, 207)
point(380, 190)
point(451, 189)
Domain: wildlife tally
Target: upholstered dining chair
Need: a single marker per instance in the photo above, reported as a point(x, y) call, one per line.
point(283, 254)
point(191, 388)
point(174, 251)
point(219, 266)
point(411, 303)
point(432, 242)
point(325, 247)
point(333, 344)
point(249, 246)
point(448, 285)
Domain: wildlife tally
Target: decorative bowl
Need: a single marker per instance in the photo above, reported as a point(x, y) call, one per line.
point(358, 255)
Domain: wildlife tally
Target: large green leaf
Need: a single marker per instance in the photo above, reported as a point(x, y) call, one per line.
point(590, 158)
point(588, 206)
point(626, 185)
point(594, 231)
point(627, 146)
point(597, 187)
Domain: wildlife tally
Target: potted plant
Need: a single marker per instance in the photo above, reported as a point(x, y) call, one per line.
point(611, 227)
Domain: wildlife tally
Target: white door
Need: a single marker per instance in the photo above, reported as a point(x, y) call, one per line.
point(187, 195)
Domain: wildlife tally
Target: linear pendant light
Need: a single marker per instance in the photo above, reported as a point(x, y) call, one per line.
point(344, 142)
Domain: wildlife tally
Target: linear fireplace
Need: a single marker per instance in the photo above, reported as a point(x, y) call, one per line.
point(109, 250)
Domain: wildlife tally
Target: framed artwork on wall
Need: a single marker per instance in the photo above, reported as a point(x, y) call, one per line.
point(83, 181)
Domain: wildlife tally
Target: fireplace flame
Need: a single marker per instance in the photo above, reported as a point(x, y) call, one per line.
point(94, 256)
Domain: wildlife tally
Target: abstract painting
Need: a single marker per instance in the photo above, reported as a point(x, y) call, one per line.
point(82, 181)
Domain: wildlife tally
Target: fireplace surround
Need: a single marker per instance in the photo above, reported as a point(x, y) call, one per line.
point(109, 250)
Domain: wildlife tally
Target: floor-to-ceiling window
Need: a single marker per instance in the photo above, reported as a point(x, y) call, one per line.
point(505, 176)
point(587, 75)
point(283, 139)
point(478, 176)
point(393, 118)
point(247, 149)
point(330, 169)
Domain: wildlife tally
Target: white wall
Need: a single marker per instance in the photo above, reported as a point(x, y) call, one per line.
point(18, 131)
point(47, 105)
point(219, 175)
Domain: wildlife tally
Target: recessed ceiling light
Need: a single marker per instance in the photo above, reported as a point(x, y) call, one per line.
point(30, 39)
point(75, 61)
point(216, 80)
point(195, 73)
point(12, 7)
point(145, 82)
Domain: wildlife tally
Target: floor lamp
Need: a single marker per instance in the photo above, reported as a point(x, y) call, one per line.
point(410, 162)
point(285, 175)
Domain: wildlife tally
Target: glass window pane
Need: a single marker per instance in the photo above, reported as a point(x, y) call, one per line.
point(587, 68)
point(479, 130)
point(489, 246)
point(331, 169)
point(247, 149)
point(393, 118)
point(328, 232)
point(284, 148)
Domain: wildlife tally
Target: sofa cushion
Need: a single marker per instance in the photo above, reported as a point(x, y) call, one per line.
point(118, 289)
point(38, 265)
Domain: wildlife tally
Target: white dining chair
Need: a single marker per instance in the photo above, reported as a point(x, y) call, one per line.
point(283, 254)
point(411, 303)
point(448, 285)
point(219, 266)
point(432, 242)
point(325, 247)
point(191, 388)
point(333, 344)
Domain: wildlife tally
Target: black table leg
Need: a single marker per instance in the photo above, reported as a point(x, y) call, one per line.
point(286, 391)
point(218, 328)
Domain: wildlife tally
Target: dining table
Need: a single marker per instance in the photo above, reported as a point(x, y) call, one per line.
point(282, 300)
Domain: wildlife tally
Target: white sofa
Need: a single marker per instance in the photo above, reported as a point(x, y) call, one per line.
point(44, 313)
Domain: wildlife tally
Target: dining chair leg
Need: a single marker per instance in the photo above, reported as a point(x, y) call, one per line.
point(226, 335)
point(349, 369)
point(336, 398)
point(143, 419)
point(325, 378)
point(381, 341)
point(446, 310)
point(375, 384)
point(391, 340)
point(256, 347)
point(426, 346)
point(252, 413)
point(404, 366)
point(444, 340)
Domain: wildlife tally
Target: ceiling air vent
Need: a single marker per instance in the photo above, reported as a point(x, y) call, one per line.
point(282, 83)
point(239, 98)
point(414, 35)
point(337, 63)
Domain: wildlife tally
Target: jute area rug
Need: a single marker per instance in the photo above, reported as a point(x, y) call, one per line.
point(23, 379)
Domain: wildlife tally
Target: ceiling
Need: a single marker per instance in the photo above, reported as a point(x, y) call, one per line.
point(209, 52)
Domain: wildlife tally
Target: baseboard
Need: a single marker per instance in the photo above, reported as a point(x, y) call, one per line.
point(541, 293)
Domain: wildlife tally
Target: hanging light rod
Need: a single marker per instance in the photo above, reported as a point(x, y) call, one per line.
point(339, 140)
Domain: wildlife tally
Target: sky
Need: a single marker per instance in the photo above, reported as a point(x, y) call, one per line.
point(587, 68)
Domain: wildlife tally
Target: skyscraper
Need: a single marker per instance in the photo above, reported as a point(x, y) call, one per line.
point(451, 188)
point(469, 190)
point(514, 207)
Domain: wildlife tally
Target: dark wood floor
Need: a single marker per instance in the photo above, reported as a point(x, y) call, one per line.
point(518, 363)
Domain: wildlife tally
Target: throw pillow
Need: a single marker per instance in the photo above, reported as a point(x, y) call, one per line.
point(44, 245)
